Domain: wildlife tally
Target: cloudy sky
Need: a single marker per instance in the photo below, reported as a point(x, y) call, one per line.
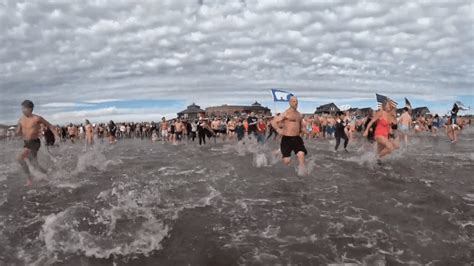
point(140, 60)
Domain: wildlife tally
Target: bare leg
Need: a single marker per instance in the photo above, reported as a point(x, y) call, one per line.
point(385, 146)
point(34, 162)
point(21, 158)
point(301, 164)
point(300, 156)
point(287, 160)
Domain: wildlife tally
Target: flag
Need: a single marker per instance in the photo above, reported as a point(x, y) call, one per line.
point(344, 107)
point(281, 96)
point(461, 106)
point(381, 99)
point(408, 104)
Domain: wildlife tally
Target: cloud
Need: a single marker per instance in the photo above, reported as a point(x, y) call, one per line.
point(104, 100)
point(61, 105)
point(215, 52)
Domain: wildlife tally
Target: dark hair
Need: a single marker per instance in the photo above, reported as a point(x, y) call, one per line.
point(28, 104)
point(405, 109)
point(339, 113)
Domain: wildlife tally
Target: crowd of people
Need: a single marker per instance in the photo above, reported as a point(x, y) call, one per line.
point(384, 127)
point(340, 125)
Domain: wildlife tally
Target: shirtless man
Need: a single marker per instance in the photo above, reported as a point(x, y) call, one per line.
point(89, 133)
point(324, 123)
point(290, 125)
point(215, 125)
point(72, 131)
point(164, 129)
point(179, 129)
point(404, 125)
point(29, 126)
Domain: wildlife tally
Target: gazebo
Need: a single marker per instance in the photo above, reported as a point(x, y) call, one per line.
point(191, 113)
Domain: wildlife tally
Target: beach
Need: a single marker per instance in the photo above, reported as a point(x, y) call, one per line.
point(143, 203)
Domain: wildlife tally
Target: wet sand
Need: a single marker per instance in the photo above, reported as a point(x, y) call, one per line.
point(139, 203)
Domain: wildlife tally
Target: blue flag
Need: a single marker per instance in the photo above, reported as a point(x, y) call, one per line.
point(281, 96)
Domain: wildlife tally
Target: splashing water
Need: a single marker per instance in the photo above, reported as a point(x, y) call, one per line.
point(140, 203)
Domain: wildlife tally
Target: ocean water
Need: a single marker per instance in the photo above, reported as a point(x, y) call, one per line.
point(143, 203)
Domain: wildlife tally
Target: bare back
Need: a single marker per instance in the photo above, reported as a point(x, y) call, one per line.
point(405, 119)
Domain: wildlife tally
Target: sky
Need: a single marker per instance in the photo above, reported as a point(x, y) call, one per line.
point(141, 60)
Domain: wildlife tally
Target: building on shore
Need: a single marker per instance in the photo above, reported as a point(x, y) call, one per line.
point(361, 111)
point(329, 108)
point(416, 112)
point(233, 110)
point(192, 112)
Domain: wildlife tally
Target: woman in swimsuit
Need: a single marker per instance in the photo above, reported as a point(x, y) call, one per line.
point(315, 128)
point(384, 118)
point(231, 128)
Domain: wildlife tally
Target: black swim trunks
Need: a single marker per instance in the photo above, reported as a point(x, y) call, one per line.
point(289, 144)
point(33, 145)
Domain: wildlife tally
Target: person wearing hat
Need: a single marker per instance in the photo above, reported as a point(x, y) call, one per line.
point(29, 126)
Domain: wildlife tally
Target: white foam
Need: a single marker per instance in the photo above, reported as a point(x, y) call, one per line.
point(60, 234)
point(93, 158)
point(366, 158)
point(260, 160)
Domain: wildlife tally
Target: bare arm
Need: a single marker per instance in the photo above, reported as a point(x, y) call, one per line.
point(18, 129)
point(277, 120)
point(51, 127)
point(376, 117)
point(303, 126)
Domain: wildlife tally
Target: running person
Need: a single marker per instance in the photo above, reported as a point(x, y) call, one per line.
point(49, 136)
point(89, 133)
point(453, 126)
point(290, 125)
point(404, 125)
point(164, 129)
point(29, 126)
point(231, 128)
point(112, 128)
point(384, 119)
point(340, 133)
point(179, 129)
point(435, 124)
point(252, 121)
point(272, 131)
point(72, 131)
